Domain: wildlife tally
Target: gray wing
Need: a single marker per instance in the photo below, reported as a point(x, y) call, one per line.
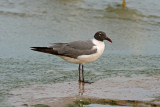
point(74, 49)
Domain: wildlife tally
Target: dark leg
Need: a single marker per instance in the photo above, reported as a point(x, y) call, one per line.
point(79, 72)
point(83, 76)
point(82, 73)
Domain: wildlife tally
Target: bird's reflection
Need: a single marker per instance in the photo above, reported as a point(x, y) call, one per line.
point(81, 88)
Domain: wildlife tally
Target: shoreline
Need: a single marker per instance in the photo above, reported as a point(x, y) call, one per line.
point(119, 89)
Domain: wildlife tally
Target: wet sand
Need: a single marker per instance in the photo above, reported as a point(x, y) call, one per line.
point(145, 89)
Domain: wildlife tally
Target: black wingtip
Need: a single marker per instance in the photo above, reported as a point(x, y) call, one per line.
point(44, 50)
point(34, 48)
point(40, 49)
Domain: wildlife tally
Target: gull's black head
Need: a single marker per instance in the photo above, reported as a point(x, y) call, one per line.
point(101, 36)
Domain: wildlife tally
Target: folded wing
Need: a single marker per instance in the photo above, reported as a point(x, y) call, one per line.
point(72, 49)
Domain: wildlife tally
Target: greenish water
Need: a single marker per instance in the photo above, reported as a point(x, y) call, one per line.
point(135, 31)
point(99, 105)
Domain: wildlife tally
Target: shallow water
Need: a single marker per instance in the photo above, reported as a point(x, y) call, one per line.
point(135, 31)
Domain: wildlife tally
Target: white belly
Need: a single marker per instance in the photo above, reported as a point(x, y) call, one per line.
point(87, 58)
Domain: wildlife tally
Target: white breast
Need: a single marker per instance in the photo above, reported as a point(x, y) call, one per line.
point(99, 45)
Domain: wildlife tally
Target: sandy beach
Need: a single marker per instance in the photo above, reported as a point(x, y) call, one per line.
point(142, 89)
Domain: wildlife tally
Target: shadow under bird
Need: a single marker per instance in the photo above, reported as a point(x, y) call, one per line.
point(78, 52)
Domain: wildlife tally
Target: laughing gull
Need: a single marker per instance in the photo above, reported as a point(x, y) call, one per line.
point(78, 52)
